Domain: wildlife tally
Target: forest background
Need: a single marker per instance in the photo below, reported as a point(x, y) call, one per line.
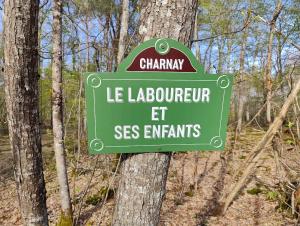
point(255, 40)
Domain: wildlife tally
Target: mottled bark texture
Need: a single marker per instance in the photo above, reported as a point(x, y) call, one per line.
point(57, 114)
point(168, 19)
point(21, 92)
point(141, 189)
point(143, 176)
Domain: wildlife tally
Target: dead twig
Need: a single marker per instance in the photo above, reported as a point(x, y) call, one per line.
point(245, 25)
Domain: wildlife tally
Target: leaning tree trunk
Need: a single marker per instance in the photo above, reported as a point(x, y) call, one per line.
point(143, 176)
point(57, 109)
point(21, 89)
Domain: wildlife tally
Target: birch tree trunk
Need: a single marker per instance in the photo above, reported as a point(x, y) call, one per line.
point(123, 32)
point(21, 93)
point(57, 109)
point(143, 176)
point(268, 79)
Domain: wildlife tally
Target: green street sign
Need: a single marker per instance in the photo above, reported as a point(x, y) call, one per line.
point(159, 100)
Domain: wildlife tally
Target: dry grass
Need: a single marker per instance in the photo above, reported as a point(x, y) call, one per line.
point(182, 205)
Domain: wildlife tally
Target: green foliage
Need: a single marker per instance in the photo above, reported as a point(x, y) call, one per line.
point(70, 92)
point(189, 193)
point(272, 195)
point(282, 198)
point(290, 124)
point(290, 142)
point(255, 191)
point(88, 7)
point(178, 201)
point(93, 200)
point(99, 196)
point(45, 84)
point(65, 220)
point(242, 157)
point(89, 224)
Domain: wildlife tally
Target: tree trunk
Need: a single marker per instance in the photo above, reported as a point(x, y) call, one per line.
point(220, 44)
point(106, 42)
point(123, 32)
point(21, 89)
point(241, 87)
point(143, 176)
point(73, 51)
point(96, 56)
point(280, 44)
point(208, 69)
point(229, 52)
point(247, 112)
point(116, 37)
point(268, 79)
point(87, 27)
point(57, 108)
point(197, 44)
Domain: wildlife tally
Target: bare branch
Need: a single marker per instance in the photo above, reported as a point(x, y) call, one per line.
point(246, 24)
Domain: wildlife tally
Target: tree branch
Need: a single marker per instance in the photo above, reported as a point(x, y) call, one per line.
point(246, 24)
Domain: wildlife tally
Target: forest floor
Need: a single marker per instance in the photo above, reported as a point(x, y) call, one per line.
point(259, 203)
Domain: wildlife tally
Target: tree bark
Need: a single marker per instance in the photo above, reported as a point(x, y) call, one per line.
point(123, 32)
point(143, 176)
point(22, 94)
point(57, 108)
